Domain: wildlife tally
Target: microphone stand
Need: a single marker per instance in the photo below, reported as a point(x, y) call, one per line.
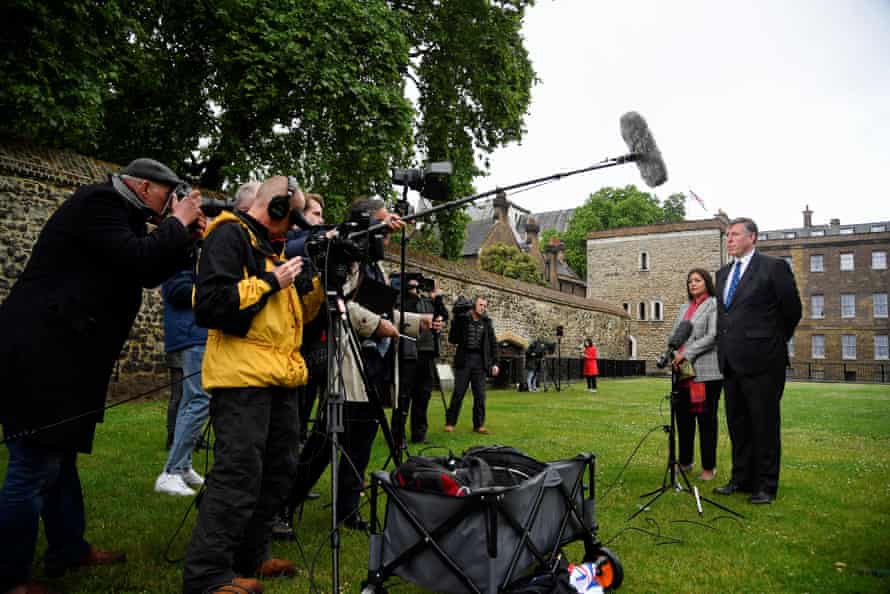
point(670, 481)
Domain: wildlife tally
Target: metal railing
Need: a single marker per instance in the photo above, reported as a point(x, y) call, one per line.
point(871, 373)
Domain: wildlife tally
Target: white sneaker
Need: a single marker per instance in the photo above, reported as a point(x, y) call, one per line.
point(172, 484)
point(192, 478)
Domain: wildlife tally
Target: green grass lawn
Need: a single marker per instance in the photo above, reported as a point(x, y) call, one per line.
point(829, 530)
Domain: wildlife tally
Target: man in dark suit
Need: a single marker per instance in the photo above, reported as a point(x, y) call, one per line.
point(758, 310)
point(63, 326)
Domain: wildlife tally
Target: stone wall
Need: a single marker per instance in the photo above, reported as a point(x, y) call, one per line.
point(33, 182)
point(528, 311)
point(615, 275)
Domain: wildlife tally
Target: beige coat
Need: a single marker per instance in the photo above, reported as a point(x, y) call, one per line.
point(365, 323)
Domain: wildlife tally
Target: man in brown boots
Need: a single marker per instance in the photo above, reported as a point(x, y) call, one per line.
point(254, 303)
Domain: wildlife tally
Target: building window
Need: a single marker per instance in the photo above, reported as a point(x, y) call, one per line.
point(879, 305)
point(818, 346)
point(847, 231)
point(882, 347)
point(791, 347)
point(879, 260)
point(817, 307)
point(644, 260)
point(657, 311)
point(641, 311)
point(817, 233)
point(847, 262)
point(848, 346)
point(762, 237)
point(817, 263)
point(789, 235)
point(878, 228)
point(848, 306)
point(626, 307)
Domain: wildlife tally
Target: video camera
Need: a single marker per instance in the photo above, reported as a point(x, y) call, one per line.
point(425, 284)
point(432, 182)
point(462, 306)
point(351, 243)
point(541, 348)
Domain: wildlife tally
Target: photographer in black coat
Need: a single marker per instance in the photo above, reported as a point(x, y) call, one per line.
point(417, 366)
point(477, 353)
point(63, 326)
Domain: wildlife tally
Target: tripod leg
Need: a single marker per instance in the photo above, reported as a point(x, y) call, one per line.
point(719, 506)
point(659, 492)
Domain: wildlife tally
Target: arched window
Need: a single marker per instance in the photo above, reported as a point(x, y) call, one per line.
point(657, 311)
point(642, 311)
point(644, 260)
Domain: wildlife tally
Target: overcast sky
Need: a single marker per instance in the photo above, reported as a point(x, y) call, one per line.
point(760, 107)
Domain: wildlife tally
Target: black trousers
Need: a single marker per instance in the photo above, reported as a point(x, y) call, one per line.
point(306, 397)
point(357, 439)
point(591, 382)
point(707, 426)
point(254, 462)
point(415, 389)
point(472, 374)
point(753, 418)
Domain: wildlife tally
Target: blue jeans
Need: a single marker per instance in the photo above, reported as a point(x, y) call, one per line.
point(39, 482)
point(532, 379)
point(194, 406)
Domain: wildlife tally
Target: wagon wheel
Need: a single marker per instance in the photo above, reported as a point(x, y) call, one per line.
point(609, 573)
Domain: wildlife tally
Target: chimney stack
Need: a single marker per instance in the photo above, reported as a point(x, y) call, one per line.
point(807, 217)
point(501, 205)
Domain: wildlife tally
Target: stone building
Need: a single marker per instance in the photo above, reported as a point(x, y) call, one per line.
point(643, 269)
point(841, 272)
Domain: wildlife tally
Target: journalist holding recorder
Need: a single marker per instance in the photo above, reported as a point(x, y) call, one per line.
point(63, 326)
point(699, 395)
point(246, 295)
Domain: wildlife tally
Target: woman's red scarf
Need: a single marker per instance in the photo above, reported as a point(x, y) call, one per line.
point(697, 391)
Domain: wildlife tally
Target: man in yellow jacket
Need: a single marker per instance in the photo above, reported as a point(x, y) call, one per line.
point(246, 295)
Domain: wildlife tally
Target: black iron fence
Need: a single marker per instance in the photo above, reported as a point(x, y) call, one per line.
point(872, 373)
point(513, 369)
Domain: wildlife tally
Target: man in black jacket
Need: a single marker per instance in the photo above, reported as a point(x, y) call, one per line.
point(417, 366)
point(758, 310)
point(477, 353)
point(63, 326)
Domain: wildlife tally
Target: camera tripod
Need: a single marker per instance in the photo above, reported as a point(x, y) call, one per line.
point(332, 401)
point(674, 471)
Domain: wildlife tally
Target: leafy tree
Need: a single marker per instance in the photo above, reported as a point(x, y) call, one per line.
point(610, 208)
point(234, 89)
point(508, 260)
point(57, 68)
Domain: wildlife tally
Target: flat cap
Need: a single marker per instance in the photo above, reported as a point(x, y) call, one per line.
point(153, 171)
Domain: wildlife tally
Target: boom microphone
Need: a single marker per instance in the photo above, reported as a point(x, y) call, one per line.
point(643, 149)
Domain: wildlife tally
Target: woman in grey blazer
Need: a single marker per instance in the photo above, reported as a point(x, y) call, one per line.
point(700, 395)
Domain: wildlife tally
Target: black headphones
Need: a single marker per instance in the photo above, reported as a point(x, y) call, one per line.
point(279, 206)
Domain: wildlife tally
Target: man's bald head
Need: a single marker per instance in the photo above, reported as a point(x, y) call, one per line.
point(277, 186)
point(272, 187)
